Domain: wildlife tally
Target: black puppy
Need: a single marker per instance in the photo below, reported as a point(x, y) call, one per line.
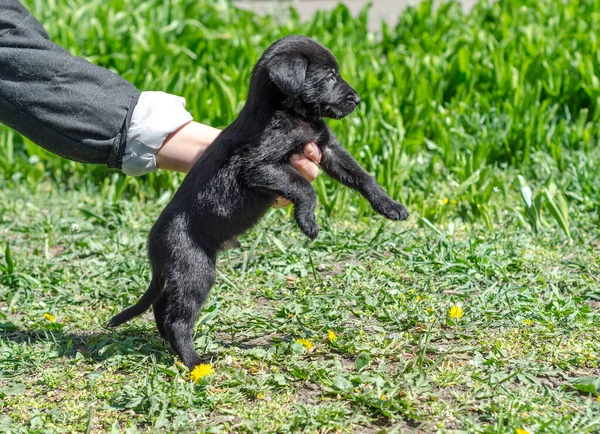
point(294, 85)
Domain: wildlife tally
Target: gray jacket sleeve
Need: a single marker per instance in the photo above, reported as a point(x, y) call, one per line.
point(63, 103)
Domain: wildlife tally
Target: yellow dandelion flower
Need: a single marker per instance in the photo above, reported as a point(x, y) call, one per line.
point(290, 315)
point(201, 371)
point(453, 202)
point(382, 397)
point(307, 344)
point(521, 431)
point(331, 336)
point(49, 317)
point(432, 320)
point(456, 312)
point(527, 322)
point(598, 398)
point(412, 291)
point(418, 298)
point(260, 396)
point(445, 201)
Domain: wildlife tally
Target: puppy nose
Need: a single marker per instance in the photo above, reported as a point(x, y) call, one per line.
point(354, 98)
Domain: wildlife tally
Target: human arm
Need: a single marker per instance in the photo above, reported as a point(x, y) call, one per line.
point(61, 102)
point(183, 147)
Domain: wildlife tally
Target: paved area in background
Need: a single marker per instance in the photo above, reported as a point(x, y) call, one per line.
point(381, 10)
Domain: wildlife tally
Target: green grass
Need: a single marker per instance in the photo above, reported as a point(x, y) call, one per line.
point(485, 124)
point(530, 326)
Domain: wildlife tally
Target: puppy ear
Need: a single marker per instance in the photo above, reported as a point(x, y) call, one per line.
point(288, 74)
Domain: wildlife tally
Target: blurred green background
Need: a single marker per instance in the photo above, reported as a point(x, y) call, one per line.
point(456, 106)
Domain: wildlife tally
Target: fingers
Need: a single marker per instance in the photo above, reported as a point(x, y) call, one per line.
point(281, 202)
point(306, 163)
point(306, 167)
point(231, 244)
point(312, 152)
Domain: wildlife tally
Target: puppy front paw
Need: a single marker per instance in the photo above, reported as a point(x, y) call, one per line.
point(309, 227)
point(391, 209)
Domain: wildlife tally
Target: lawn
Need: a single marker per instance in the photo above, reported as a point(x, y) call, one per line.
point(480, 314)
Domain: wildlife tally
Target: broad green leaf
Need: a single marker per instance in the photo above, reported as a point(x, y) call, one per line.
point(362, 360)
point(342, 384)
point(586, 384)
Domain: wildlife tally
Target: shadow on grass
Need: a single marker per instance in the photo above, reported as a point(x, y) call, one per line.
point(97, 346)
point(247, 343)
point(102, 345)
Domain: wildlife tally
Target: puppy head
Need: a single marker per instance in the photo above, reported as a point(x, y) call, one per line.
point(307, 74)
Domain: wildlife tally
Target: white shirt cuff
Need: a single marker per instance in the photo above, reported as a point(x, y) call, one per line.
point(156, 115)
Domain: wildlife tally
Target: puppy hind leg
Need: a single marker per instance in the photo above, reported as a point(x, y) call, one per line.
point(159, 308)
point(189, 286)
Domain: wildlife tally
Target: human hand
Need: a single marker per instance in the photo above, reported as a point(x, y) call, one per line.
point(306, 164)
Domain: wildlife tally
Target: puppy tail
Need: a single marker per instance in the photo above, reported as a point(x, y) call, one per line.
point(152, 293)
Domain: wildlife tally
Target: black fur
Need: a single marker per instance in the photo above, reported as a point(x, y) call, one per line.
point(294, 85)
